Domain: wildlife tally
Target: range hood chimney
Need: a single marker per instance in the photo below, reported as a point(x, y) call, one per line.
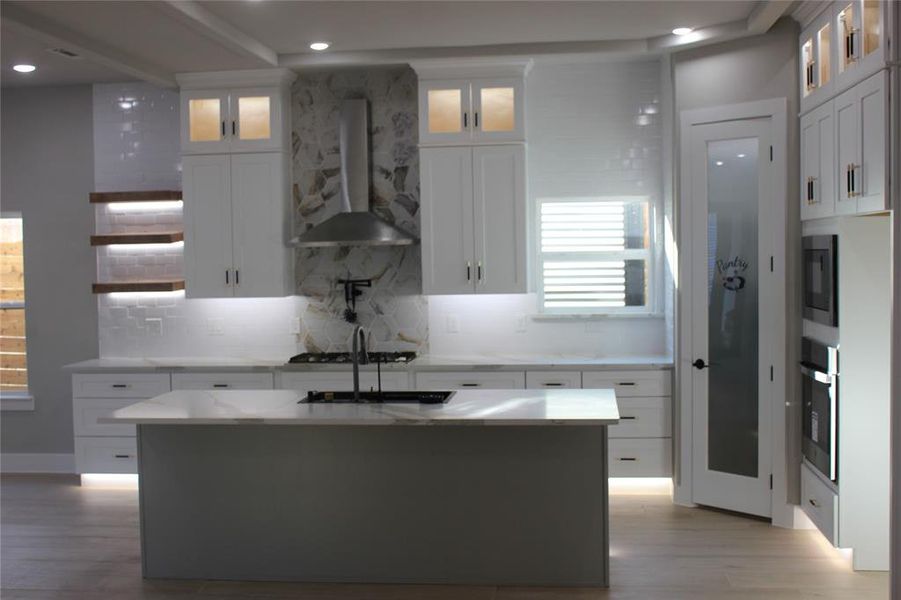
point(355, 225)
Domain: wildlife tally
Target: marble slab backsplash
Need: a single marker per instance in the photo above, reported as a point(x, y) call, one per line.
point(393, 309)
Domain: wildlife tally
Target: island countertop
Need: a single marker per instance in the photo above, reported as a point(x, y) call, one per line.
point(281, 407)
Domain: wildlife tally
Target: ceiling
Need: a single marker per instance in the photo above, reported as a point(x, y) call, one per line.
point(152, 40)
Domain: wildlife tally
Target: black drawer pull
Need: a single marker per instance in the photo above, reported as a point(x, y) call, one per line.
point(552, 384)
point(470, 384)
point(123, 455)
point(628, 459)
point(814, 502)
point(120, 385)
point(220, 385)
point(625, 418)
point(626, 383)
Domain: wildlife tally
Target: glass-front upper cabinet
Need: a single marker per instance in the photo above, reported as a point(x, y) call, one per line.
point(817, 61)
point(471, 111)
point(239, 120)
point(861, 39)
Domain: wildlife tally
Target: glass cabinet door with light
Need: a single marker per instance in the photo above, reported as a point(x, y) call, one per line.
point(470, 111)
point(817, 62)
point(445, 112)
point(860, 36)
point(497, 109)
point(204, 116)
point(255, 119)
point(239, 120)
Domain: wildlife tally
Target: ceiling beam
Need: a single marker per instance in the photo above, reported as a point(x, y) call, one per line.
point(765, 15)
point(54, 34)
point(219, 30)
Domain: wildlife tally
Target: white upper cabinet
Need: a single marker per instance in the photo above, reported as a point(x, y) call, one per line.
point(861, 120)
point(240, 111)
point(817, 61)
point(818, 175)
point(236, 225)
point(474, 220)
point(467, 103)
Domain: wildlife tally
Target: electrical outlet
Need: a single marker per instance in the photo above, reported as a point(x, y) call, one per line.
point(522, 322)
point(154, 325)
point(453, 324)
point(215, 326)
point(294, 326)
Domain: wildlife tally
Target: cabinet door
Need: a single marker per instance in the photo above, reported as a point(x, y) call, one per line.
point(204, 117)
point(255, 119)
point(499, 184)
point(445, 112)
point(860, 38)
point(847, 144)
point(448, 263)
point(206, 183)
point(870, 186)
point(818, 165)
point(459, 380)
point(260, 217)
point(497, 107)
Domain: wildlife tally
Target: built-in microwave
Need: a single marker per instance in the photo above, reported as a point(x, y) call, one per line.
point(820, 293)
point(819, 408)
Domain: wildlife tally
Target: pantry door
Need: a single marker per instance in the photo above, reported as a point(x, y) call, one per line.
point(730, 195)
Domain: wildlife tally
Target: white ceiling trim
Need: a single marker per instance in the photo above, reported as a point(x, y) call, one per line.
point(55, 34)
point(219, 30)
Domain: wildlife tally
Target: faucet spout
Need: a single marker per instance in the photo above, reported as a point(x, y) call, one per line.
point(360, 357)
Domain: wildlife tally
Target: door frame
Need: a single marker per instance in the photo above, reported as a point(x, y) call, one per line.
point(773, 299)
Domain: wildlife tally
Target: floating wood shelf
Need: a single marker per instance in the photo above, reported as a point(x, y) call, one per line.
point(143, 196)
point(171, 285)
point(163, 237)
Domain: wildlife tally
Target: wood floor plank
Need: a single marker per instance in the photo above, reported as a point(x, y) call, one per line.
point(60, 541)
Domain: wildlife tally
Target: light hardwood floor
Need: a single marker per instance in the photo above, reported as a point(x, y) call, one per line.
point(63, 542)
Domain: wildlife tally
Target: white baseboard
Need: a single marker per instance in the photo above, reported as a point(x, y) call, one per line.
point(37, 463)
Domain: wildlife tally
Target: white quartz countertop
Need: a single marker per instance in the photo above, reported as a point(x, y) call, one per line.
point(465, 407)
point(475, 362)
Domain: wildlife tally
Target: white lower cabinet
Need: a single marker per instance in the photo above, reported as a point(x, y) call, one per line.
point(106, 454)
point(463, 380)
point(87, 412)
point(640, 457)
point(820, 503)
point(539, 380)
point(310, 381)
point(222, 380)
point(644, 418)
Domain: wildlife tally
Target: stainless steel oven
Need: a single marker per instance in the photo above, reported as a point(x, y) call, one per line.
point(819, 389)
point(820, 261)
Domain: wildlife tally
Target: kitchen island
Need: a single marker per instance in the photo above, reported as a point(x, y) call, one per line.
point(492, 487)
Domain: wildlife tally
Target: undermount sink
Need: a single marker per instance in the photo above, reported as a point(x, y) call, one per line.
point(410, 397)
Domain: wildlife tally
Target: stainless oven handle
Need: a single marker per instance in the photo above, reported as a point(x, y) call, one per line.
point(817, 375)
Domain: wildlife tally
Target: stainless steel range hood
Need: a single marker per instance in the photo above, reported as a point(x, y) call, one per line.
point(355, 225)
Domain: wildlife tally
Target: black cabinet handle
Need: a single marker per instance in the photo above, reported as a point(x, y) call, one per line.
point(120, 385)
point(480, 270)
point(237, 277)
point(223, 128)
point(628, 459)
point(627, 418)
point(470, 384)
point(476, 116)
point(626, 383)
point(122, 455)
point(234, 129)
point(226, 277)
point(220, 385)
point(465, 120)
point(552, 384)
point(468, 271)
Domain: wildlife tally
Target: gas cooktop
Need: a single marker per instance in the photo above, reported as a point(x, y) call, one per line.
point(344, 357)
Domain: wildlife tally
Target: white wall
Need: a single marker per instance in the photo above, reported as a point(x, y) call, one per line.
point(594, 129)
point(48, 172)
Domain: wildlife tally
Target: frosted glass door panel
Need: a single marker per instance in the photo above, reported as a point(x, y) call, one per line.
point(848, 36)
point(823, 55)
point(254, 118)
point(205, 119)
point(732, 285)
point(445, 111)
point(872, 25)
point(498, 109)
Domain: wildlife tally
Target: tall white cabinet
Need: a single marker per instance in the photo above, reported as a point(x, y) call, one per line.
point(236, 176)
point(473, 177)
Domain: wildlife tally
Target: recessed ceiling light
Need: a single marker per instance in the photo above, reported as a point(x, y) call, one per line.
point(719, 163)
point(740, 155)
point(682, 30)
point(319, 46)
point(24, 68)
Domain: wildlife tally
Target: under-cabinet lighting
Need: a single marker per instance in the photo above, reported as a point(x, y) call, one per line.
point(319, 46)
point(145, 247)
point(117, 481)
point(641, 486)
point(136, 295)
point(24, 68)
point(740, 155)
point(150, 205)
point(719, 163)
point(682, 30)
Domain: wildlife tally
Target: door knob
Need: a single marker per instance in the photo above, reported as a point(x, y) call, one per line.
point(699, 364)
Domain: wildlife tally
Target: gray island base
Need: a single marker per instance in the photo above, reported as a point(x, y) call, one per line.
point(478, 502)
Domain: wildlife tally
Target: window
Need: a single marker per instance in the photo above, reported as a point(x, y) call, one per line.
point(13, 370)
point(595, 255)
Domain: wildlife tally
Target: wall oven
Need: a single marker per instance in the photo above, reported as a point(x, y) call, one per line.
point(820, 260)
point(819, 392)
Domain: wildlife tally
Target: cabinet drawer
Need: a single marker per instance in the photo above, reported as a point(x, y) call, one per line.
point(820, 503)
point(120, 385)
point(225, 381)
point(106, 455)
point(86, 411)
point(336, 381)
point(507, 380)
point(640, 457)
point(537, 380)
point(643, 418)
point(629, 383)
